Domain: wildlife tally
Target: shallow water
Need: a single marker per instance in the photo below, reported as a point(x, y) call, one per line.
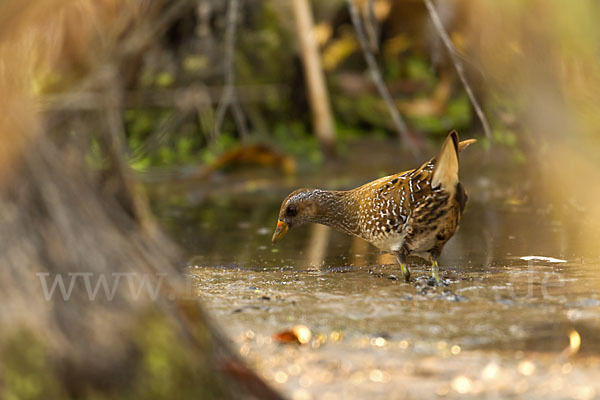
point(503, 327)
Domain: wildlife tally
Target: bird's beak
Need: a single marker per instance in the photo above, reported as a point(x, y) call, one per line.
point(280, 231)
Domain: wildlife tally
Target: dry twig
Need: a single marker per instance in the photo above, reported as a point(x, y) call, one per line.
point(439, 26)
point(399, 123)
point(229, 98)
point(372, 26)
point(114, 141)
point(318, 96)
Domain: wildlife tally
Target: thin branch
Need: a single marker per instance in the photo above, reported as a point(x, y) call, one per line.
point(140, 37)
point(323, 122)
point(185, 98)
point(229, 98)
point(159, 135)
point(114, 140)
point(145, 34)
point(439, 26)
point(239, 117)
point(399, 123)
point(372, 26)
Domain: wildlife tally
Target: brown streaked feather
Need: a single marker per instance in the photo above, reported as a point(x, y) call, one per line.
point(408, 207)
point(412, 212)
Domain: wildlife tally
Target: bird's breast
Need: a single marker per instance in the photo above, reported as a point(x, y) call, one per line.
point(390, 242)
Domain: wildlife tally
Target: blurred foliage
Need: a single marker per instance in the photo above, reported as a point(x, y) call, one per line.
point(162, 367)
point(421, 80)
point(25, 369)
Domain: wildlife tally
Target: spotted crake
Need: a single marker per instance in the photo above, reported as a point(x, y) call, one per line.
point(410, 213)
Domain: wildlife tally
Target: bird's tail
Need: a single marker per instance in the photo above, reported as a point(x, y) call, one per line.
point(446, 164)
point(465, 143)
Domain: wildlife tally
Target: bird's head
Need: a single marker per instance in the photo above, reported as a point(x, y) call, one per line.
point(298, 208)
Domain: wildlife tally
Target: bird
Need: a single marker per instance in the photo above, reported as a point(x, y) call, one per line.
point(411, 213)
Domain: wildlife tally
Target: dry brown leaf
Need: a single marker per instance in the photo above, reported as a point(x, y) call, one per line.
point(298, 334)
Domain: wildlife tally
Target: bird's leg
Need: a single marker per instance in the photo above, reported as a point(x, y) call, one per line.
point(435, 270)
point(401, 257)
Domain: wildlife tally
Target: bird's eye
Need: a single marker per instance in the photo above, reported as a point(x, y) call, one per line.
point(291, 211)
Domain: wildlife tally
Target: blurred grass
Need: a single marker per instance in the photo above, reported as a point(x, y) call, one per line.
point(266, 54)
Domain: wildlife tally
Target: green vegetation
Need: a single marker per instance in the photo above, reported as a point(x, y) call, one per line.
point(164, 366)
point(275, 106)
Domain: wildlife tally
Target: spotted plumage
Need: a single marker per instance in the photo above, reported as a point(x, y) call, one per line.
point(410, 213)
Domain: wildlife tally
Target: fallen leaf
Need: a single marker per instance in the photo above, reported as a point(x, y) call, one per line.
point(299, 334)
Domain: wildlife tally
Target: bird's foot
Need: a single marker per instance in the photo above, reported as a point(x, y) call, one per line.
point(435, 279)
point(439, 282)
